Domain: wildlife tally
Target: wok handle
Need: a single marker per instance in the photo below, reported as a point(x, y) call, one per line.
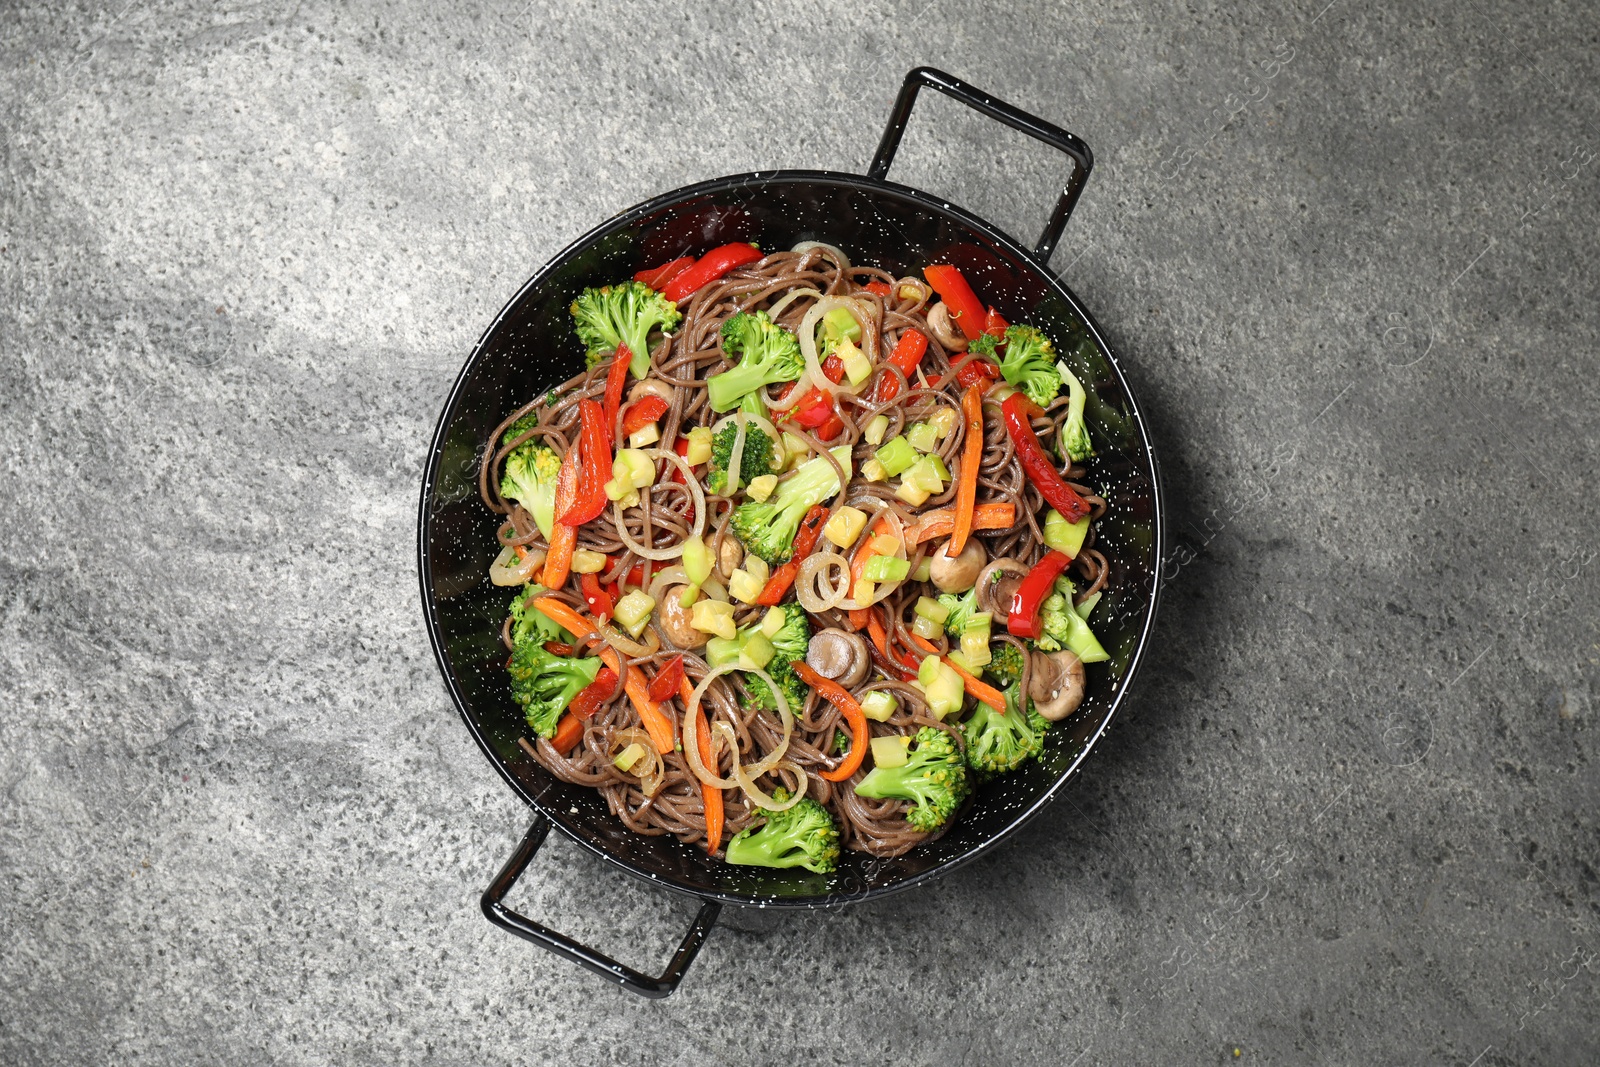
point(1000, 111)
point(655, 988)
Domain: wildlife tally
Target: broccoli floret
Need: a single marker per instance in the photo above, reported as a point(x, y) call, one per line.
point(1005, 664)
point(768, 527)
point(544, 683)
point(985, 344)
point(1061, 626)
point(520, 427)
point(934, 777)
point(766, 352)
point(529, 623)
point(1074, 436)
point(1030, 364)
point(788, 644)
point(529, 478)
point(801, 836)
point(998, 742)
point(756, 461)
point(624, 314)
point(841, 742)
point(962, 608)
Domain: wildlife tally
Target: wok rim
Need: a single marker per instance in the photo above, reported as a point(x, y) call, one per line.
point(862, 183)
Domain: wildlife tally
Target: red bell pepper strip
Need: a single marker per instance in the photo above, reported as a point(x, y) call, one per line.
point(708, 268)
point(977, 370)
point(840, 697)
point(831, 429)
point(569, 731)
point(599, 601)
point(681, 447)
point(878, 288)
point(664, 686)
point(657, 277)
point(813, 410)
point(816, 407)
point(594, 448)
point(804, 541)
point(994, 324)
point(563, 538)
point(1023, 620)
point(638, 575)
point(595, 695)
point(642, 413)
point(616, 378)
point(908, 352)
point(1017, 411)
point(958, 297)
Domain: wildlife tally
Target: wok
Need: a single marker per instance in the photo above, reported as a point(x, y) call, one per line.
point(531, 346)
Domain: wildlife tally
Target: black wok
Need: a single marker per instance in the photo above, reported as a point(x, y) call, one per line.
point(531, 346)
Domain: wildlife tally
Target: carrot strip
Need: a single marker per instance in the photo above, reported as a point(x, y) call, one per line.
point(941, 521)
point(563, 538)
point(569, 731)
point(656, 723)
point(710, 795)
point(971, 457)
point(841, 698)
point(983, 691)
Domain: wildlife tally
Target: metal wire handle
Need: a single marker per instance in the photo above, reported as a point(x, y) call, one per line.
point(564, 946)
point(1000, 111)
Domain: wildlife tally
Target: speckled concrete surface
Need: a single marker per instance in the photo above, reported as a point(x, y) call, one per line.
point(1347, 252)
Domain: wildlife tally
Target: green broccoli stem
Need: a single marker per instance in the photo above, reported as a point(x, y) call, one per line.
point(814, 482)
point(727, 389)
point(752, 404)
point(1074, 435)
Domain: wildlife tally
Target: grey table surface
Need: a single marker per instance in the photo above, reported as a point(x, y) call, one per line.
point(1347, 252)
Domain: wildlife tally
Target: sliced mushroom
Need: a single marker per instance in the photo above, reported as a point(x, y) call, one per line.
point(1055, 683)
point(650, 387)
point(959, 574)
point(842, 656)
point(729, 555)
point(674, 620)
point(996, 586)
point(945, 329)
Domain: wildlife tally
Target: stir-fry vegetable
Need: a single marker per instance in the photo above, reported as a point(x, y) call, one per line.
point(594, 466)
point(801, 836)
point(766, 353)
point(1023, 617)
point(544, 683)
point(1030, 364)
point(768, 527)
point(933, 778)
point(1018, 411)
point(708, 268)
point(1000, 740)
point(612, 317)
